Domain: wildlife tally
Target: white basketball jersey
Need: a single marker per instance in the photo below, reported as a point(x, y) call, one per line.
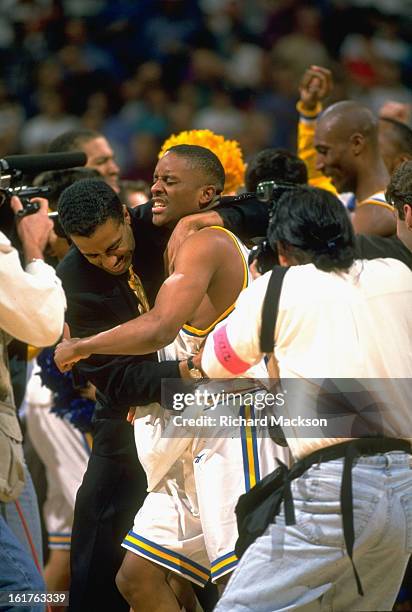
point(190, 339)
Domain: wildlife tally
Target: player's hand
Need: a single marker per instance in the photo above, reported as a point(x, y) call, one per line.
point(197, 359)
point(131, 415)
point(88, 392)
point(254, 269)
point(315, 85)
point(68, 351)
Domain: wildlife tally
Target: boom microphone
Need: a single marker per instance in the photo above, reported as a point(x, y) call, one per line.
point(33, 164)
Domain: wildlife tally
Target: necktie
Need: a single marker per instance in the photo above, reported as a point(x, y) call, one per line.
point(136, 286)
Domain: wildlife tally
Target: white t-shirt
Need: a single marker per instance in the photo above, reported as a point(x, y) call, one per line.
point(355, 325)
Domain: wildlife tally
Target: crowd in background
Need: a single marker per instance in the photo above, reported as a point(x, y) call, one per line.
point(139, 71)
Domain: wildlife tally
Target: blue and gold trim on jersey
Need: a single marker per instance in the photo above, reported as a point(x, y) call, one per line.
point(87, 442)
point(58, 540)
point(249, 448)
point(167, 558)
point(223, 565)
point(200, 333)
point(378, 199)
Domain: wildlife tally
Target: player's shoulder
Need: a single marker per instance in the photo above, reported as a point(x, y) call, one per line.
point(216, 237)
point(208, 245)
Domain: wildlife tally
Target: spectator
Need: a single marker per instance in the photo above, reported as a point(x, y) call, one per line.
point(347, 153)
point(395, 142)
point(99, 153)
point(135, 193)
point(48, 124)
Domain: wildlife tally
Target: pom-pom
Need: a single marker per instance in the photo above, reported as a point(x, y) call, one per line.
point(67, 403)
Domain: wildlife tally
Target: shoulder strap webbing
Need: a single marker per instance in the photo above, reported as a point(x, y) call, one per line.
point(270, 308)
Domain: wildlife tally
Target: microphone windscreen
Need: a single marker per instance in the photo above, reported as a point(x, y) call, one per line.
point(33, 164)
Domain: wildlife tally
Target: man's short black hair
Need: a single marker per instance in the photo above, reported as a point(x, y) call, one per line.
point(314, 227)
point(275, 165)
point(205, 160)
point(72, 140)
point(399, 190)
point(86, 205)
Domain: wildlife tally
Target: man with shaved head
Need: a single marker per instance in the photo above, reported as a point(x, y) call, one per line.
point(349, 152)
point(346, 142)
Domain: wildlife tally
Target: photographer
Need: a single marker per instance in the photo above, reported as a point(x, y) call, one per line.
point(32, 304)
point(337, 525)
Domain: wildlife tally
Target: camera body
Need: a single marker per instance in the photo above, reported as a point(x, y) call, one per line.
point(13, 170)
point(11, 184)
point(263, 253)
point(26, 194)
point(264, 256)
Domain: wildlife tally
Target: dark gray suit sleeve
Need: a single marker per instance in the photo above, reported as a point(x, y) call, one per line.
point(246, 219)
point(127, 381)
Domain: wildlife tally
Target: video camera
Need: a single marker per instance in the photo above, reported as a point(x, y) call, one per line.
point(25, 194)
point(268, 192)
point(15, 168)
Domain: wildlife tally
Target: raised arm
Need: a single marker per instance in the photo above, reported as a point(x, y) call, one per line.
point(315, 85)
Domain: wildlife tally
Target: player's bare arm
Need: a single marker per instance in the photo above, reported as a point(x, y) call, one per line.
point(190, 294)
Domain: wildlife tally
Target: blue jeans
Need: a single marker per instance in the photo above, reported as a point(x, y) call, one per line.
point(306, 566)
point(18, 571)
point(28, 505)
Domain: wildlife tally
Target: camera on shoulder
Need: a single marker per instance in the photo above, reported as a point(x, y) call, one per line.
point(15, 174)
point(268, 192)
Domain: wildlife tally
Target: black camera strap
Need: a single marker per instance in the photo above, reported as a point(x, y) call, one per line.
point(270, 308)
